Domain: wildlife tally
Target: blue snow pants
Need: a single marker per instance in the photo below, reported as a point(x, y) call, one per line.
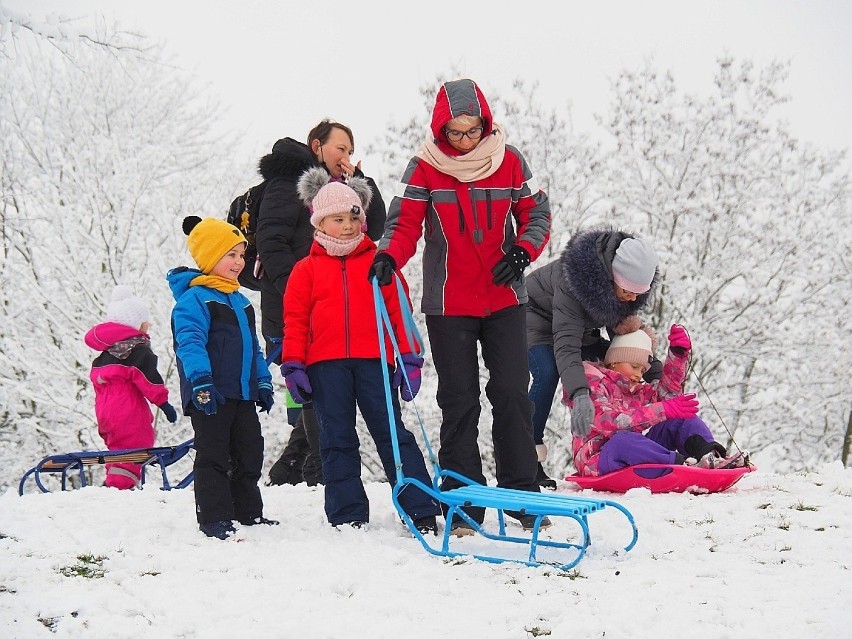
point(337, 386)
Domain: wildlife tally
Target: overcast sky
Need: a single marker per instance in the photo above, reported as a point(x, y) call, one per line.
point(281, 66)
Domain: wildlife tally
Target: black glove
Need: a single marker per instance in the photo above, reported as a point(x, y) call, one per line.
point(169, 411)
point(511, 266)
point(382, 269)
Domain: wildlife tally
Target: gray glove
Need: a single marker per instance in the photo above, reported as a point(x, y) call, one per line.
point(582, 413)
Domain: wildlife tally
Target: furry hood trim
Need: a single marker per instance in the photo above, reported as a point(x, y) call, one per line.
point(586, 265)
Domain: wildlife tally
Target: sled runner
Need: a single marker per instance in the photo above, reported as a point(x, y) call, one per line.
point(66, 463)
point(503, 500)
point(664, 478)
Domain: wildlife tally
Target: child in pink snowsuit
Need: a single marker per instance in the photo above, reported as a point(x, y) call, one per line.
point(125, 378)
point(626, 406)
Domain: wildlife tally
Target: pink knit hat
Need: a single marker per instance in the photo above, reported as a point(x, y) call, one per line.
point(634, 265)
point(636, 348)
point(335, 198)
point(325, 196)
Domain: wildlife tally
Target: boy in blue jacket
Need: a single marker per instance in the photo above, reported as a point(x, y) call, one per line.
point(222, 376)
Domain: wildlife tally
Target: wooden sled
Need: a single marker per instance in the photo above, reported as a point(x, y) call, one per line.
point(472, 494)
point(664, 478)
point(69, 463)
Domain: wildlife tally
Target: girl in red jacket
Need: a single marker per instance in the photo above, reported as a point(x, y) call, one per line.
point(125, 378)
point(337, 367)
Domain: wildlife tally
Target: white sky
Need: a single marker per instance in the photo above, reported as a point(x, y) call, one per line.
point(768, 558)
point(282, 66)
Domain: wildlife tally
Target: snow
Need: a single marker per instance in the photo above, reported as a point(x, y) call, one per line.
point(769, 557)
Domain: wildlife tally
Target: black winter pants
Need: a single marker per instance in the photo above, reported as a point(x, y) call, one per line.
point(228, 462)
point(453, 343)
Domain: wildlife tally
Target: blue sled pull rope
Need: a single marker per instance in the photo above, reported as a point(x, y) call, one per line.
point(384, 324)
point(412, 334)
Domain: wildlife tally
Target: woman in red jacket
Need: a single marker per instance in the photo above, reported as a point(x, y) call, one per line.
point(485, 219)
point(338, 367)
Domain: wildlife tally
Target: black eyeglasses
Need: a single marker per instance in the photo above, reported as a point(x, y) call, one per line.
point(474, 134)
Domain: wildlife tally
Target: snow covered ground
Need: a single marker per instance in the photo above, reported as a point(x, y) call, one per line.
point(770, 557)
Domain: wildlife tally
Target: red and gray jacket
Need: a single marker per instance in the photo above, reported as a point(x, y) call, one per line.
point(468, 226)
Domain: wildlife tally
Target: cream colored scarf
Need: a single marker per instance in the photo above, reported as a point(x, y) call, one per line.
point(483, 160)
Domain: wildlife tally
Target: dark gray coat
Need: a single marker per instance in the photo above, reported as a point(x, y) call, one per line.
point(573, 297)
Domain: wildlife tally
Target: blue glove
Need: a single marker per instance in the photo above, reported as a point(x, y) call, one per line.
point(297, 381)
point(169, 411)
point(205, 396)
point(412, 364)
point(382, 269)
point(264, 396)
point(511, 266)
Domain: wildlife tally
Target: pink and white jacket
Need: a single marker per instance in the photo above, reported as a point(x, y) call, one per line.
point(125, 378)
point(621, 405)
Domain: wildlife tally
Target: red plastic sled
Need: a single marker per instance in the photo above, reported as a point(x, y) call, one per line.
point(663, 478)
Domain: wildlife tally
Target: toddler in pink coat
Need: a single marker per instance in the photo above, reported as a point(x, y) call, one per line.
point(126, 378)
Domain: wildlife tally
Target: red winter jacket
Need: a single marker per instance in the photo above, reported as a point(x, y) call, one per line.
point(329, 311)
point(469, 226)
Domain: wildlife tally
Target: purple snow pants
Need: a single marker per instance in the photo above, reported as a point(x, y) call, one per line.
point(657, 446)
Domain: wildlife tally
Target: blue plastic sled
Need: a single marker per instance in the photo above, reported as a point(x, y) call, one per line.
point(66, 463)
point(664, 478)
point(473, 494)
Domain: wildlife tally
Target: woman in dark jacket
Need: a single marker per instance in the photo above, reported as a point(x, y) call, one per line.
point(283, 237)
point(601, 280)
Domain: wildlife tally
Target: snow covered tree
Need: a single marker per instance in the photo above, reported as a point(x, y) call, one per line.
point(63, 33)
point(103, 153)
point(753, 232)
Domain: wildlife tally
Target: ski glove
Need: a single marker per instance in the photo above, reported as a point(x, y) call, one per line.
point(679, 342)
point(511, 266)
point(382, 269)
point(681, 407)
point(412, 364)
point(297, 381)
point(582, 413)
point(205, 396)
point(264, 396)
point(169, 411)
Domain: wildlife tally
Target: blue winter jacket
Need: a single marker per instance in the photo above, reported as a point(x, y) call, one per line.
point(215, 335)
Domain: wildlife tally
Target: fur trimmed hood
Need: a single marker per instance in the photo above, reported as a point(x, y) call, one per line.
point(586, 265)
point(289, 159)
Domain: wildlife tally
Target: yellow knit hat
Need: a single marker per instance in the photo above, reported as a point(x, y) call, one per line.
point(210, 239)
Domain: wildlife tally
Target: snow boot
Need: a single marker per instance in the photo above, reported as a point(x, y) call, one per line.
point(541, 477)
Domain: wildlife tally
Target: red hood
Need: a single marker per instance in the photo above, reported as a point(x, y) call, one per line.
point(102, 336)
point(455, 98)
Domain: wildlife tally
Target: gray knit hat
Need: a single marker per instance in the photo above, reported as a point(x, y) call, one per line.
point(634, 265)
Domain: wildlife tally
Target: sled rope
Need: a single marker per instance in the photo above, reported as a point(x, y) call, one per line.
point(691, 369)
